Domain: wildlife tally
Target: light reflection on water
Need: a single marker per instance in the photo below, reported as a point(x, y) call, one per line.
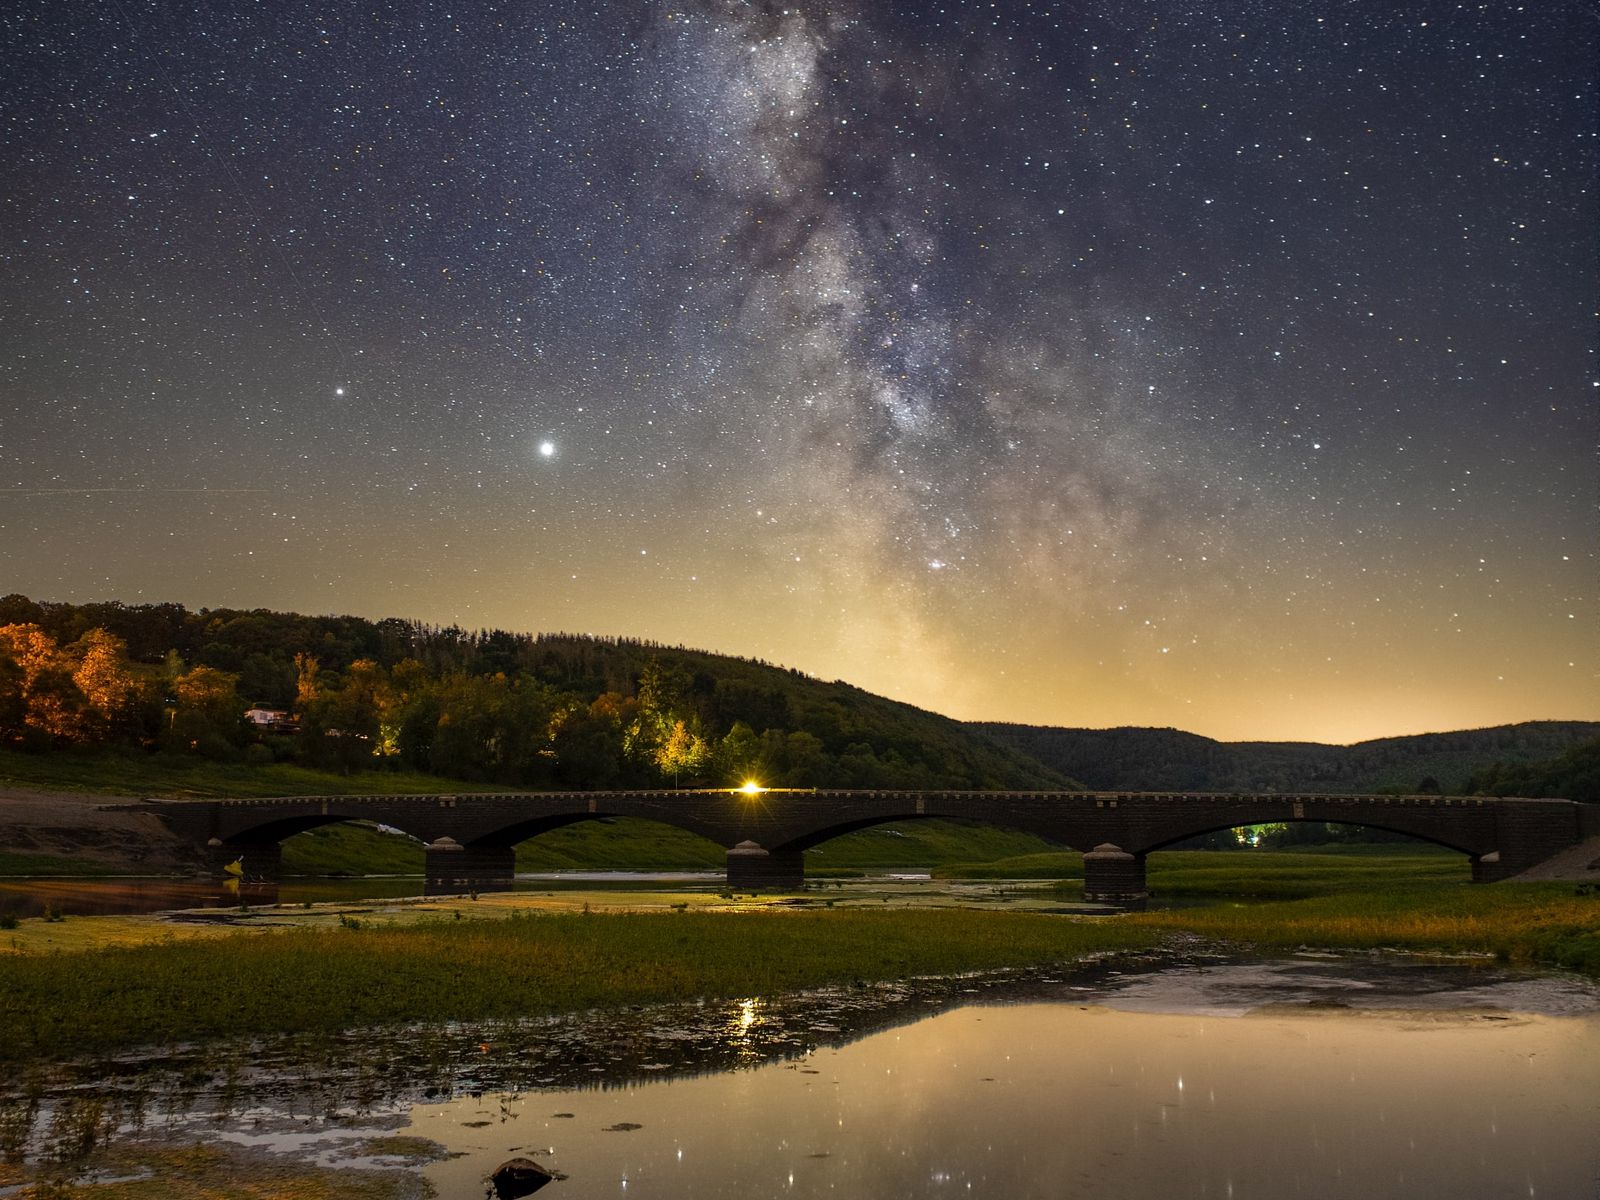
point(1147, 1077)
point(1051, 1100)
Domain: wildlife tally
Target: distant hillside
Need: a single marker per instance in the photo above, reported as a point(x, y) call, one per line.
point(1137, 759)
point(499, 708)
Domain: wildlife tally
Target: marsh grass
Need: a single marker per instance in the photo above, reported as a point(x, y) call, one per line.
point(1261, 874)
point(1530, 923)
point(1290, 875)
point(322, 981)
point(427, 964)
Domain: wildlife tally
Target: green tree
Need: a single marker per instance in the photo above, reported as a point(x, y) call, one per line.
point(339, 726)
point(738, 757)
point(206, 714)
point(589, 740)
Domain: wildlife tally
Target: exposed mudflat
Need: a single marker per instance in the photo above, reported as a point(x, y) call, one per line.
point(1364, 983)
point(90, 827)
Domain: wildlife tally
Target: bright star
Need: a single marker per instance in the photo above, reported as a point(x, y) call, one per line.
point(547, 449)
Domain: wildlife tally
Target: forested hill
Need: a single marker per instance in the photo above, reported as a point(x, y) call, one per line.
point(521, 710)
point(1137, 759)
point(560, 710)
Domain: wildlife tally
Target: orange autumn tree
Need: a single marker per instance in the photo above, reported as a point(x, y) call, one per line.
point(104, 679)
point(42, 702)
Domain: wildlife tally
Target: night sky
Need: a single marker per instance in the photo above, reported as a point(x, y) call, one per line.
point(1220, 365)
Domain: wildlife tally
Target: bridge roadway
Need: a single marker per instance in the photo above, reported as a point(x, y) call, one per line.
point(470, 838)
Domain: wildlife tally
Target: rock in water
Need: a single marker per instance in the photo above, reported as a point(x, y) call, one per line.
point(518, 1177)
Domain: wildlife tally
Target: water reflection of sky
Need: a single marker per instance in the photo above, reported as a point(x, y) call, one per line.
point(1195, 1077)
point(1052, 1100)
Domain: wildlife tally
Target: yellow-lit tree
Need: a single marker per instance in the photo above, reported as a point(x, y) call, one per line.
point(682, 752)
point(305, 684)
point(103, 677)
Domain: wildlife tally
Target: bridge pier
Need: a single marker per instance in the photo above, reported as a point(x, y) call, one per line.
point(754, 869)
point(1486, 868)
point(261, 861)
point(451, 868)
point(1113, 876)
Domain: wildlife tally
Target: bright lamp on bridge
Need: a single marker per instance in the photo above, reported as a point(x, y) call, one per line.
point(750, 788)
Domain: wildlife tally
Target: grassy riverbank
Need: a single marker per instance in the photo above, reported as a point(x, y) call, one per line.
point(136, 773)
point(331, 976)
point(94, 984)
point(326, 980)
point(1256, 874)
point(1545, 924)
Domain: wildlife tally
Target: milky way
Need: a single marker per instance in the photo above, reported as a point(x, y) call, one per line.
point(1225, 366)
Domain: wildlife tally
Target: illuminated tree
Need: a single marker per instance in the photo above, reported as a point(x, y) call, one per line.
point(682, 751)
point(104, 679)
point(32, 649)
point(305, 687)
point(50, 703)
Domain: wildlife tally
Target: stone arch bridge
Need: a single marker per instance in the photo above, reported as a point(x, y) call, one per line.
point(470, 838)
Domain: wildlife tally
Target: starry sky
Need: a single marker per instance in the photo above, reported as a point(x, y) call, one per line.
point(1227, 366)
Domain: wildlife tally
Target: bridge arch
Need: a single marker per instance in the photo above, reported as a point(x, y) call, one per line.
point(1443, 842)
point(823, 835)
point(766, 835)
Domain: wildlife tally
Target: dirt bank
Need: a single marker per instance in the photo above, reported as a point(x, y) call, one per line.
point(1580, 862)
point(86, 826)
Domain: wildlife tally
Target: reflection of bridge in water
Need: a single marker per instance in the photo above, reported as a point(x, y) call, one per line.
point(471, 838)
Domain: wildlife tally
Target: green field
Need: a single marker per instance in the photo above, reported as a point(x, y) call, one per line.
point(631, 844)
point(326, 980)
point(136, 773)
point(1548, 924)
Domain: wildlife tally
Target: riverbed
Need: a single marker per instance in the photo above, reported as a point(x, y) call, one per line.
point(1311, 1076)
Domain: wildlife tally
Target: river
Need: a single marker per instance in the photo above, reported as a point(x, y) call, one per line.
point(1314, 1076)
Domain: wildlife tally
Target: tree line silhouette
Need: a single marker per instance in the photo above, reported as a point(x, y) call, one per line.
point(524, 710)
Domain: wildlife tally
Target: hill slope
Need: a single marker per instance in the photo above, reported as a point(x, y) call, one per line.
point(1139, 759)
point(499, 708)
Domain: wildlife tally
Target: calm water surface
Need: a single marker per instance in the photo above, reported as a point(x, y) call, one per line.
point(1232, 1082)
point(1316, 1077)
